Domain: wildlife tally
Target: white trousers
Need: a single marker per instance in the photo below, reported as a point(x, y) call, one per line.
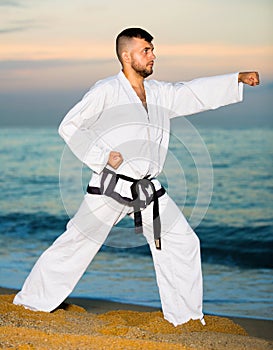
point(177, 264)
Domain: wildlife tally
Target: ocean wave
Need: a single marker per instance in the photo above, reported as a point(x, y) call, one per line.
point(34, 225)
point(243, 246)
point(249, 247)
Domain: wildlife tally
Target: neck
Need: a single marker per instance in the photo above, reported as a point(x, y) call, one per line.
point(137, 83)
point(136, 80)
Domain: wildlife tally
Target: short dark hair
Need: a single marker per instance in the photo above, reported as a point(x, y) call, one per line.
point(132, 33)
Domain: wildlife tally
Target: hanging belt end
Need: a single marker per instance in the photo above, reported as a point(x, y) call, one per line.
point(158, 243)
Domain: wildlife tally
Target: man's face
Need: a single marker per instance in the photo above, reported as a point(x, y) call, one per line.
point(142, 57)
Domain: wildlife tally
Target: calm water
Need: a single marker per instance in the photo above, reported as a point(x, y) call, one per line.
point(221, 179)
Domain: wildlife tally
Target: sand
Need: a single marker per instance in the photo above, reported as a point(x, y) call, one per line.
point(116, 326)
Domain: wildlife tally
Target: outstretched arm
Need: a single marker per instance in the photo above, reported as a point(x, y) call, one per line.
point(249, 78)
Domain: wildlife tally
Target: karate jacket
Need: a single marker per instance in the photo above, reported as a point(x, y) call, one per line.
point(111, 117)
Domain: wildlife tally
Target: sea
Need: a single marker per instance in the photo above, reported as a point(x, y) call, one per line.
point(222, 180)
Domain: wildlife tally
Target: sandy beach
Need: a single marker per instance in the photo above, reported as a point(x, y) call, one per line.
point(97, 324)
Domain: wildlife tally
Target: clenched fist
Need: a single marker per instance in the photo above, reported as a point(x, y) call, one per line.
point(249, 78)
point(115, 159)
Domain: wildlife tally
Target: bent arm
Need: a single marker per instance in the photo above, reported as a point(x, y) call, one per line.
point(76, 130)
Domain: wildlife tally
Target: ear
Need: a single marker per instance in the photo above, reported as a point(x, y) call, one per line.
point(125, 57)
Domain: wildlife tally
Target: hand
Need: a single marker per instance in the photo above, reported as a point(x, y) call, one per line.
point(115, 159)
point(249, 78)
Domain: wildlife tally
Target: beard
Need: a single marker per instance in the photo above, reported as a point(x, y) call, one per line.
point(144, 72)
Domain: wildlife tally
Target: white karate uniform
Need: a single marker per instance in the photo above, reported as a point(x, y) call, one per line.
point(112, 117)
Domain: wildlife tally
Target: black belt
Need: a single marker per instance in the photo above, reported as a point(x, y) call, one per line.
point(135, 201)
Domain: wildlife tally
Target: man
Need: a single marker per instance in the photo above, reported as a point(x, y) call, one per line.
point(120, 130)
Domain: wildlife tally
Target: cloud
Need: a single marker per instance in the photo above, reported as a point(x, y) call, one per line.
point(53, 74)
point(6, 65)
point(10, 3)
point(18, 26)
point(13, 30)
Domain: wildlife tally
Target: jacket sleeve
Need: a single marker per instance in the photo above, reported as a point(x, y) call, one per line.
point(204, 94)
point(77, 131)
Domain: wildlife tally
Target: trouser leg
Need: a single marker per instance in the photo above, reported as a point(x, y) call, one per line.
point(60, 267)
point(177, 264)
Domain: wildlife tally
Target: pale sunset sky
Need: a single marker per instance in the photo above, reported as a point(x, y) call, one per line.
point(52, 51)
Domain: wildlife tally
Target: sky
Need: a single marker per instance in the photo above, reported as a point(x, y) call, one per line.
point(52, 51)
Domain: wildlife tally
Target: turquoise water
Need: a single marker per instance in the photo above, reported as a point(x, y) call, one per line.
point(221, 179)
